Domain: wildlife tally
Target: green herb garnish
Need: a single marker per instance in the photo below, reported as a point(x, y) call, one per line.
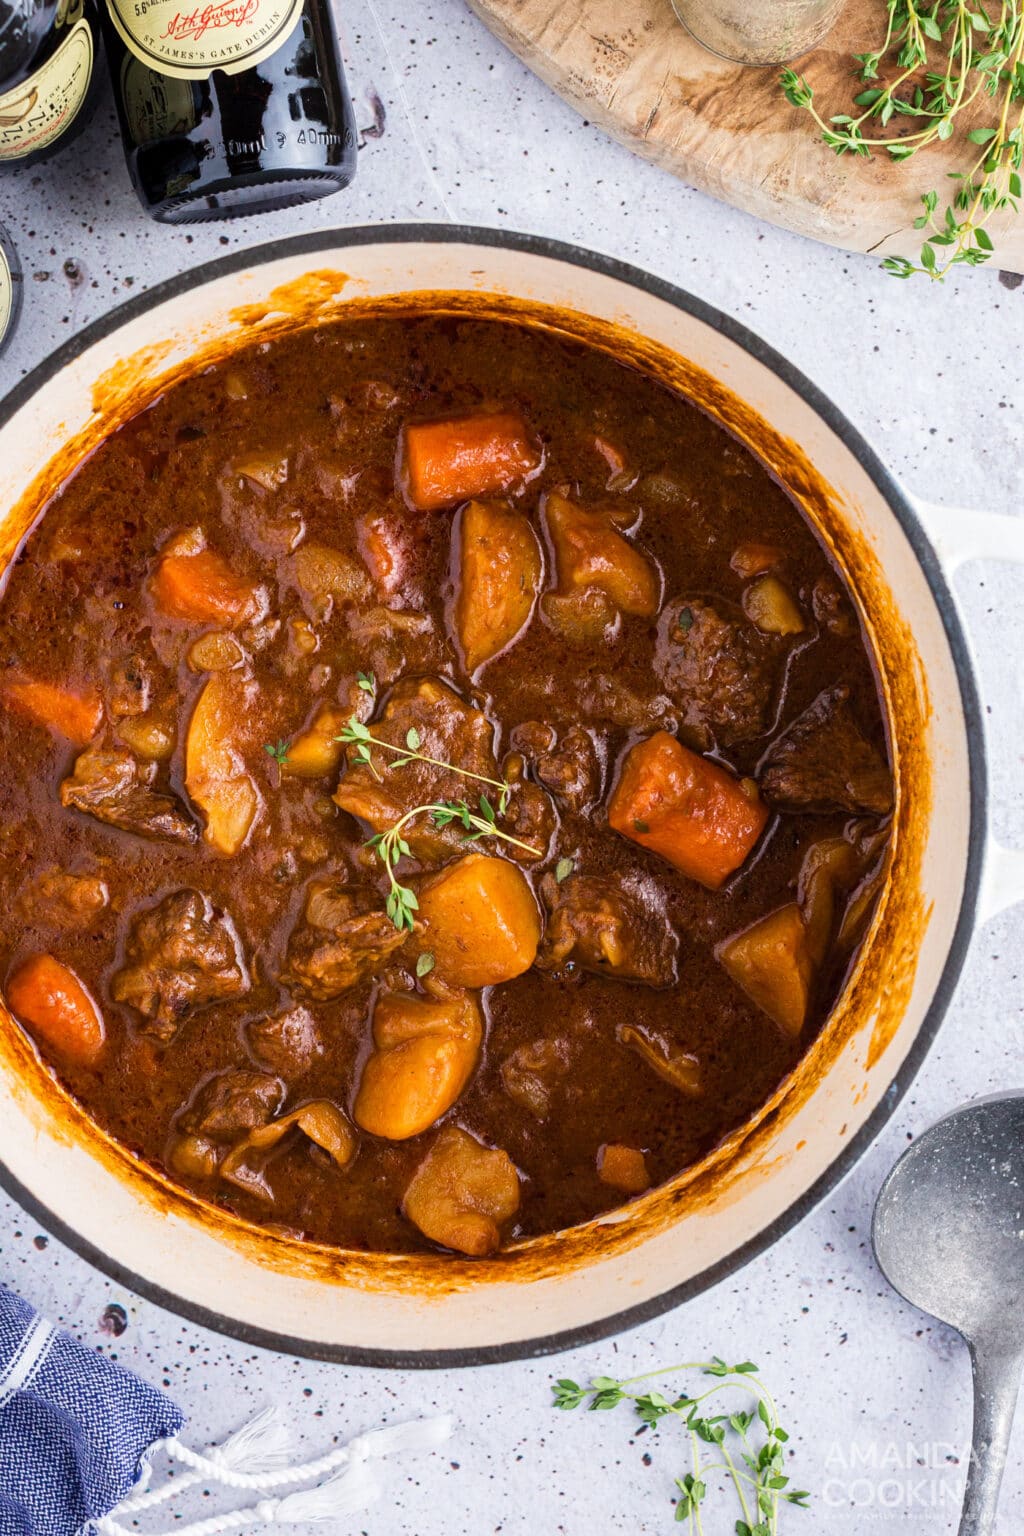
point(747, 1445)
point(278, 751)
point(359, 736)
point(941, 57)
point(424, 964)
point(391, 846)
point(563, 869)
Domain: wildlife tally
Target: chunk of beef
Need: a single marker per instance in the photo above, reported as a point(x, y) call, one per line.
point(62, 900)
point(605, 698)
point(287, 1042)
point(530, 814)
point(532, 1073)
point(597, 925)
point(232, 1103)
point(721, 672)
point(447, 729)
point(224, 1110)
point(344, 937)
point(566, 763)
point(112, 785)
point(183, 954)
point(324, 1125)
point(129, 687)
point(832, 608)
point(823, 763)
point(672, 1063)
point(391, 641)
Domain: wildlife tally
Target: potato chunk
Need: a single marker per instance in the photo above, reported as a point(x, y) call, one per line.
point(215, 775)
point(592, 554)
point(499, 571)
point(425, 1056)
point(623, 1168)
point(316, 752)
point(771, 606)
point(462, 1193)
point(481, 921)
point(772, 964)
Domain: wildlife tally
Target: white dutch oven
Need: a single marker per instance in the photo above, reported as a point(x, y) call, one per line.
point(555, 1291)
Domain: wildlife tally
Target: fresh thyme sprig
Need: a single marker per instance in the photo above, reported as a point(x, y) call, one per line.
point(278, 751)
point(355, 734)
point(947, 55)
point(756, 1470)
point(391, 847)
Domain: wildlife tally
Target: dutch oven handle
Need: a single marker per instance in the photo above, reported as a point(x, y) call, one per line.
point(960, 536)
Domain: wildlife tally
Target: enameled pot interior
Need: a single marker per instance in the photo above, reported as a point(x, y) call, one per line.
point(671, 1242)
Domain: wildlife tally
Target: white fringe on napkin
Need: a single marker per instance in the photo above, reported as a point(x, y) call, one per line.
point(256, 1458)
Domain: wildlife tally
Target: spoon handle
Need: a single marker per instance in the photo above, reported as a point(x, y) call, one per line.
point(996, 1384)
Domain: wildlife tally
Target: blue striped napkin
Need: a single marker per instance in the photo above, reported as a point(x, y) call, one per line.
point(77, 1433)
point(74, 1427)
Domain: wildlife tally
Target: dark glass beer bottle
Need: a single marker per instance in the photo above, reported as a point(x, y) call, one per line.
point(48, 78)
point(10, 288)
point(229, 106)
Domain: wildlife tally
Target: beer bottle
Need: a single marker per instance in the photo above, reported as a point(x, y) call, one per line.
point(48, 79)
point(229, 106)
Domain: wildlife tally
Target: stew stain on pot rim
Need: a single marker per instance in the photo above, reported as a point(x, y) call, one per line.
point(872, 1004)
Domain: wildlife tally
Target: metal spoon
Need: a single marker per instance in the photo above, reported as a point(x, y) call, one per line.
point(949, 1235)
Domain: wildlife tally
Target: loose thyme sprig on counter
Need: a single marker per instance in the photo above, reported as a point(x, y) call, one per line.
point(757, 1473)
point(391, 846)
point(948, 54)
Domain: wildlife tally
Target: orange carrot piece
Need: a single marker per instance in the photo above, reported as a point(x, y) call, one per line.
point(446, 462)
point(49, 997)
point(685, 808)
point(74, 715)
point(202, 588)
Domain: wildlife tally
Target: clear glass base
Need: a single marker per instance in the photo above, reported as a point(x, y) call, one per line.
point(765, 33)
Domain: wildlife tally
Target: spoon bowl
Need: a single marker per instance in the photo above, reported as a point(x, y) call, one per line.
point(949, 1236)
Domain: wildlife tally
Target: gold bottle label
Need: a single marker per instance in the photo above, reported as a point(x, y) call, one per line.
point(189, 39)
point(39, 110)
point(6, 294)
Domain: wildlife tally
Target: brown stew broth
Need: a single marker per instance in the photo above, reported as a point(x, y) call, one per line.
point(333, 402)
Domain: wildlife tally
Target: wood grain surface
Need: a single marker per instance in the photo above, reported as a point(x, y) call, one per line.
point(631, 68)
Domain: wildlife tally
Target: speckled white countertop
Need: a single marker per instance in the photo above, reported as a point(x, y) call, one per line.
point(876, 1397)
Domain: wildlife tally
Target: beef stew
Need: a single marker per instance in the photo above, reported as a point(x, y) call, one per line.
point(445, 784)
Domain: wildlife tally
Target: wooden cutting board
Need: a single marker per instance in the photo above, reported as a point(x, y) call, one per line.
point(630, 67)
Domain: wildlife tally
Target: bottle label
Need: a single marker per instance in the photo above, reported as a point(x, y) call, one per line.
point(156, 106)
point(189, 39)
point(6, 294)
point(39, 110)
